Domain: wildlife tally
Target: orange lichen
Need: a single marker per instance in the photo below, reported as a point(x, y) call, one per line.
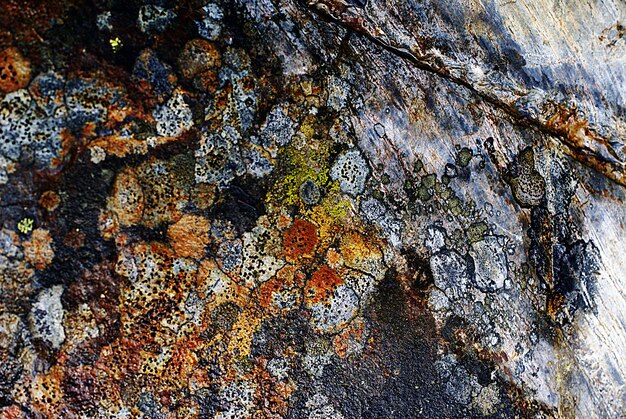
point(49, 200)
point(300, 239)
point(38, 250)
point(361, 252)
point(189, 236)
point(11, 412)
point(283, 221)
point(47, 393)
point(350, 339)
point(127, 200)
point(14, 70)
point(333, 258)
point(355, 247)
point(241, 333)
point(277, 294)
point(198, 57)
point(321, 286)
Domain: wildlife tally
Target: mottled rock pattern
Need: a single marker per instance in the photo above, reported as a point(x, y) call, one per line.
point(323, 209)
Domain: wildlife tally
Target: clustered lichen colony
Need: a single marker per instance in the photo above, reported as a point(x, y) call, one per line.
point(210, 240)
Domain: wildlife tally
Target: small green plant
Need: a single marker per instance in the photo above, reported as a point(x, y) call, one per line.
point(25, 225)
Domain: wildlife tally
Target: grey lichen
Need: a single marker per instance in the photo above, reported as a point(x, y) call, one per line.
point(46, 317)
point(351, 171)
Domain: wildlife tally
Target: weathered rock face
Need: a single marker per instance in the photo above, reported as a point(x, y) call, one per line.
point(322, 209)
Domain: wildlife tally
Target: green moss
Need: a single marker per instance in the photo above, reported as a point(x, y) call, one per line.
point(423, 194)
point(446, 193)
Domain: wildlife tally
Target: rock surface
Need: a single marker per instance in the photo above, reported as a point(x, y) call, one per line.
point(323, 209)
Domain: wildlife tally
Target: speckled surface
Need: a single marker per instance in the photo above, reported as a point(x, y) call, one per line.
point(319, 209)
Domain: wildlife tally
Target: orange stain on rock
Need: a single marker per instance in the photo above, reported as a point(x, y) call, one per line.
point(121, 146)
point(189, 236)
point(300, 239)
point(11, 412)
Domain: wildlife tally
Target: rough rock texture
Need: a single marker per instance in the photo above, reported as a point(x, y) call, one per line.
point(323, 209)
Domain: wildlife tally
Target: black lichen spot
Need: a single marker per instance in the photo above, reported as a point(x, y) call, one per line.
point(85, 188)
point(276, 334)
point(575, 270)
point(397, 376)
point(420, 273)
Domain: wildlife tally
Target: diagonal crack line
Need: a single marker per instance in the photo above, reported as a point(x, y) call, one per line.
point(576, 138)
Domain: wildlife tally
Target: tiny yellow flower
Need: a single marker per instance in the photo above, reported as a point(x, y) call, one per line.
point(25, 226)
point(116, 44)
